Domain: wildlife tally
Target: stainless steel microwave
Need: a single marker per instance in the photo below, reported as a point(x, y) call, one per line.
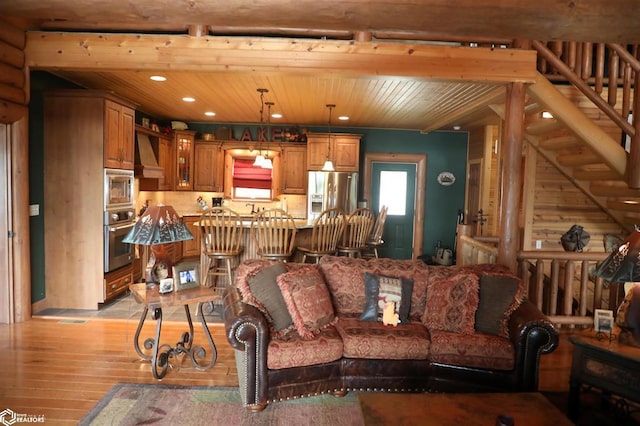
point(118, 189)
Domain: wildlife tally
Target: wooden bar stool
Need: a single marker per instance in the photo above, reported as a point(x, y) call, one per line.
point(359, 225)
point(375, 239)
point(327, 232)
point(273, 232)
point(221, 239)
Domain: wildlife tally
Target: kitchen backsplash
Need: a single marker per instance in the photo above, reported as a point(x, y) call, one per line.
point(186, 202)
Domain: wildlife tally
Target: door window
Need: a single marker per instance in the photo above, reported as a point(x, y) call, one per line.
point(393, 192)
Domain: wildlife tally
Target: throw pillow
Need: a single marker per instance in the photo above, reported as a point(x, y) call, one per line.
point(500, 295)
point(452, 304)
point(308, 300)
point(264, 288)
point(379, 290)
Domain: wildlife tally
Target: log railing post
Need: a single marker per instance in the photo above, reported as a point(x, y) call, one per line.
point(633, 164)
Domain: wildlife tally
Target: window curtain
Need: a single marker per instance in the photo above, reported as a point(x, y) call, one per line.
point(245, 175)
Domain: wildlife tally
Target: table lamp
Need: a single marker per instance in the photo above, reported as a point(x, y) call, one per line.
point(158, 225)
point(623, 266)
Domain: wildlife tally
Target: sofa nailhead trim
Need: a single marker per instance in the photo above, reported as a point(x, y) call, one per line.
point(259, 351)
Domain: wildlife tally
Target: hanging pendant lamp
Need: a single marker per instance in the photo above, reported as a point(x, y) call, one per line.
point(328, 164)
point(259, 161)
point(267, 163)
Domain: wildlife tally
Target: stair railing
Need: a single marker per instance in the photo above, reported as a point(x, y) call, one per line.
point(589, 67)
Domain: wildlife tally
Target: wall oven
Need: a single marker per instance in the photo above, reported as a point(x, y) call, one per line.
point(117, 224)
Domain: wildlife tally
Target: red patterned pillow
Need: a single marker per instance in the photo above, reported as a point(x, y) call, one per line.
point(452, 304)
point(308, 300)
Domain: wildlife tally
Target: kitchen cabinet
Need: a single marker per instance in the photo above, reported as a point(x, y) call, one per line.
point(209, 166)
point(75, 138)
point(119, 147)
point(294, 169)
point(117, 282)
point(191, 248)
point(343, 150)
point(184, 141)
point(162, 147)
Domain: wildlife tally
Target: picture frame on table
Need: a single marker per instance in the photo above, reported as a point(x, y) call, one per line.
point(603, 321)
point(186, 275)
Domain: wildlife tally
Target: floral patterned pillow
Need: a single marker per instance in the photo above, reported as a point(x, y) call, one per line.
point(308, 300)
point(452, 304)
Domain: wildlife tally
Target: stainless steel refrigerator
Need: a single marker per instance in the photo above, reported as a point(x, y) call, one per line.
point(331, 190)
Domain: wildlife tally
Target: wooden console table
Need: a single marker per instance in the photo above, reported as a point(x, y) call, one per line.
point(612, 367)
point(160, 354)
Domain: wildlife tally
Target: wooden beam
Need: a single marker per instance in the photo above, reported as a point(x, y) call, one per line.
point(101, 52)
point(11, 112)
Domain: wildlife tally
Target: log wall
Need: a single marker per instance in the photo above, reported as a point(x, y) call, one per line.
point(14, 93)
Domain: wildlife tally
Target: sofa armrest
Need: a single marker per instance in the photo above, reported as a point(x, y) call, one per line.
point(247, 331)
point(532, 335)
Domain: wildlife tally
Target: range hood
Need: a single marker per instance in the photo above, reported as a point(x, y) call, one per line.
point(146, 165)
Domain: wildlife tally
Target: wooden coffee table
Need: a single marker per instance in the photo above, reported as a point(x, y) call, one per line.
point(466, 409)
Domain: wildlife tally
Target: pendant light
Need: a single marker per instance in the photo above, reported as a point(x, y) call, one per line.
point(328, 164)
point(267, 164)
point(259, 161)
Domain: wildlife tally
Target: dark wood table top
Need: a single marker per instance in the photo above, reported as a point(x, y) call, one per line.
point(589, 340)
point(468, 409)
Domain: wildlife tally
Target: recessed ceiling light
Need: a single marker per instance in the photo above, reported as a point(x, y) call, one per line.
point(276, 115)
point(456, 127)
point(631, 202)
point(546, 114)
point(158, 78)
point(343, 118)
point(210, 114)
point(189, 99)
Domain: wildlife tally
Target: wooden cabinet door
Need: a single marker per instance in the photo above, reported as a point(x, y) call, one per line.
point(112, 148)
point(317, 148)
point(294, 170)
point(191, 248)
point(184, 141)
point(165, 160)
point(345, 153)
point(127, 137)
point(119, 145)
point(209, 167)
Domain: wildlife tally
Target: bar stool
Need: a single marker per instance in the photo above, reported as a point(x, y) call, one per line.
point(375, 239)
point(221, 236)
point(359, 225)
point(327, 231)
point(273, 232)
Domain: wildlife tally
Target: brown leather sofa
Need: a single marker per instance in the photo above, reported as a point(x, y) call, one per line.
point(448, 360)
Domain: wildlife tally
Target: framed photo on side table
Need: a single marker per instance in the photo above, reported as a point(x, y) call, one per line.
point(185, 276)
point(603, 321)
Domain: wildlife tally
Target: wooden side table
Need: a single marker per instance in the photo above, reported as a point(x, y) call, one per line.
point(612, 367)
point(160, 354)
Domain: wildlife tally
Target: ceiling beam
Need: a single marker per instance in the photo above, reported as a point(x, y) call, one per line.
point(100, 52)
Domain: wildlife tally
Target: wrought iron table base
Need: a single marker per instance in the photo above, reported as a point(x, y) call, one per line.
point(161, 354)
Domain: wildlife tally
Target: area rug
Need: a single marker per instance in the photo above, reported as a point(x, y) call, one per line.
point(136, 404)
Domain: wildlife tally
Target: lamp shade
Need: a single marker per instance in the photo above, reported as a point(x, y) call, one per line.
point(623, 264)
point(158, 225)
point(328, 166)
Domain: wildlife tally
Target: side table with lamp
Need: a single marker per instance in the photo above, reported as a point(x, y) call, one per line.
point(613, 366)
point(160, 225)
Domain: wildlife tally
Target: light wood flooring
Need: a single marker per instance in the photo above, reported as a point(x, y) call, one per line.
point(60, 368)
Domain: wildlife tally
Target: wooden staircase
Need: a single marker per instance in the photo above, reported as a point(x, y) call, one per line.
point(585, 153)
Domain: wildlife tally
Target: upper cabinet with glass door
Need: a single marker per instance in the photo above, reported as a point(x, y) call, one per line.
point(184, 141)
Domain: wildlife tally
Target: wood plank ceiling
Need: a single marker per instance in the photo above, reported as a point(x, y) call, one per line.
point(370, 98)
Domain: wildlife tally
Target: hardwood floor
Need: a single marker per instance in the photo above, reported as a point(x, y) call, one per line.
point(60, 368)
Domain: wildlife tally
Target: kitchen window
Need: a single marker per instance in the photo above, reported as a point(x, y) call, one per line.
point(251, 182)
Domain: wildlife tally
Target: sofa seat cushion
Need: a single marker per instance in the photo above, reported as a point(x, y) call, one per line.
point(471, 350)
point(373, 340)
point(294, 351)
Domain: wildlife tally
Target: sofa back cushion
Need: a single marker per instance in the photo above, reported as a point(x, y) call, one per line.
point(345, 278)
point(452, 303)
